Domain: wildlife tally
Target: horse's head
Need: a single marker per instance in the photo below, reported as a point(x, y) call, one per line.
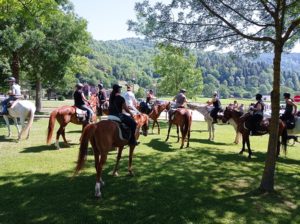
point(227, 114)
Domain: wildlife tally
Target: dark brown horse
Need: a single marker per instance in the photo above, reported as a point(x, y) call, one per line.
point(182, 118)
point(65, 115)
point(229, 113)
point(156, 111)
point(104, 136)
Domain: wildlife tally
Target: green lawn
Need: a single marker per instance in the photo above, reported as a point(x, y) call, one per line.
point(206, 183)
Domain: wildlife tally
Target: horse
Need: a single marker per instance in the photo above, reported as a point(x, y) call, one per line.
point(22, 109)
point(65, 115)
point(104, 136)
point(205, 111)
point(156, 111)
point(241, 127)
point(183, 118)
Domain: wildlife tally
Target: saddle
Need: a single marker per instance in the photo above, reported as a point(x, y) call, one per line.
point(260, 128)
point(145, 108)
point(80, 114)
point(103, 106)
point(124, 130)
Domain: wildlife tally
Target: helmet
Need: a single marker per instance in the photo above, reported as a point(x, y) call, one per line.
point(182, 90)
point(287, 95)
point(79, 85)
point(215, 93)
point(100, 85)
point(11, 79)
point(258, 96)
point(116, 87)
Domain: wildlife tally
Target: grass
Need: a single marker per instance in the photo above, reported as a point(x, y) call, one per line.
point(206, 183)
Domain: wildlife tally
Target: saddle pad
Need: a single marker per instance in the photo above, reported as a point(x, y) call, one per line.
point(80, 113)
point(124, 130)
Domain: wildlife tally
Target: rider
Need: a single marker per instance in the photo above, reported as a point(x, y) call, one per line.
point(116, 104)
point(80, 101)
point(131, 102)
point(258, 113)
point(215, 101)
point(14, 94)
point(180, 99)
point(290, 109)
point(101, 98)
point(150, 97)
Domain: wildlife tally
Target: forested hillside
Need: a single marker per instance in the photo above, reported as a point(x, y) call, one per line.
point(131, 60)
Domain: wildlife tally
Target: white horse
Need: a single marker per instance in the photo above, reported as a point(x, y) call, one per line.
point(21, 109)
point(205, 111)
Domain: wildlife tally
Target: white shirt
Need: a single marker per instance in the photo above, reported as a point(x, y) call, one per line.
point(130, 99)
point(16, 90)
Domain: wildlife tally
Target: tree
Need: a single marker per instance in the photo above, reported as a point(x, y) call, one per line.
point(41, 38)
point(178, 71)
point(244, 26)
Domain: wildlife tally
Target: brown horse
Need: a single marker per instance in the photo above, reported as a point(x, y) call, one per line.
point(229, 113)
point(183, 118)
point(156, 111)
point(65, 115)
point(104, 136)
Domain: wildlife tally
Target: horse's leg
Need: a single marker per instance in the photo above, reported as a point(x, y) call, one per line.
point(158, 127)
point(115, 171)
point(8, 127)
point(153, 125)
point(209, 129)
point(58, 133)
point(131, 149)
point(100, 165)
point(243, 145)
point(248, 146)
point(22, 121)
point(170, 125)
point(213, 131)
point(188, 137)
point(178, 132)
point(182, 136)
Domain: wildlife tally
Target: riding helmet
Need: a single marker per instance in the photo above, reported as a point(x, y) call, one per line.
point(116, 87)
point(287, 95)
point(11, 79)
point(100, 85)
point(258, 96)
point(79, 85)
point(182, 90)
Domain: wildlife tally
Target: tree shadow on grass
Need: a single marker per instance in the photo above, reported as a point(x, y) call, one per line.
point(196, 186)
point(209, 142)
point(41, 148)
point(7, 139)
point(159, 145)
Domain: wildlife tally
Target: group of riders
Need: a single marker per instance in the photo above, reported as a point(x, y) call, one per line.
point(127, 102)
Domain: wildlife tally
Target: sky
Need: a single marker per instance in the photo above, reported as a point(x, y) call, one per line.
point(107, 19)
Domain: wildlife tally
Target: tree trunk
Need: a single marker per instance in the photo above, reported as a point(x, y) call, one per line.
point(15, 66)
point(267, 181)
point(38, 98)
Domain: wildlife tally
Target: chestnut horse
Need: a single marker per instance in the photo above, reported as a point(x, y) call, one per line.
point(156, 111)
point(229, 113)
point(104, 136)
point(65, 115)
point(183, 118)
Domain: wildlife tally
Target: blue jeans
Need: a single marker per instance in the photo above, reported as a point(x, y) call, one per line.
point(5, 102)
point(87, 109)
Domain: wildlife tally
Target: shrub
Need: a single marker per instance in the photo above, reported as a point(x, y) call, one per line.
point(61, 98)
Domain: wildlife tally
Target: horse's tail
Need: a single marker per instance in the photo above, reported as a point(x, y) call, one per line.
point(88, 132)
point(51, 124)
point(30, 121)
point(284, 139)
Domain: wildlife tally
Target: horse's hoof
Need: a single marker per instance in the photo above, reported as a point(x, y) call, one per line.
point(115, 174)
point(249, 157)
point(102, 183)
point(98, 195)
point(241, 152)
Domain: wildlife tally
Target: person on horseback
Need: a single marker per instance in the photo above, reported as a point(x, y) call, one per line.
point(215, 101)
point(101, 98)
point(180, 99)
point(117, 103)
point(130, 100)
point(290, 111)
point(258, 114)
point(14, 94)
point(80, 101)
point(149, 100)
